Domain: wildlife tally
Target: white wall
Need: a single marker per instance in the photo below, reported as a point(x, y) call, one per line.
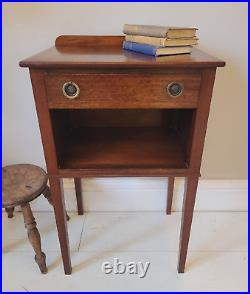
point(149, 194)
point(32, 27)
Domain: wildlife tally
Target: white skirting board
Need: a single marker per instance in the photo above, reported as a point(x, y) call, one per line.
point(149, 194)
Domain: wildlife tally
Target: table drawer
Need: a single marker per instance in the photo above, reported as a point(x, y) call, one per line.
point(122, 90)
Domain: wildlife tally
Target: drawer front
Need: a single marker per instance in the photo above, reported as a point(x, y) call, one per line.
point(123, 90)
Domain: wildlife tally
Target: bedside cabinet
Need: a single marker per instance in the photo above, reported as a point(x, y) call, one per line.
point(107, 112)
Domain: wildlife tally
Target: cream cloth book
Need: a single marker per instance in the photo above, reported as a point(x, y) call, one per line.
point(159, 31)
point(161, 42)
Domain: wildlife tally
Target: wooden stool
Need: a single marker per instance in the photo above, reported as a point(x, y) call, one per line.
point(21, 184)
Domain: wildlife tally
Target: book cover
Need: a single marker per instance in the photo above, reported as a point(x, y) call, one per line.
point(143, 48)
point(159, 31)
point(161, 42)
point(155, 51)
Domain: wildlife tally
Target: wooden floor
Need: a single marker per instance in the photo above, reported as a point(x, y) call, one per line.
point(123, 147)
point(217, 259)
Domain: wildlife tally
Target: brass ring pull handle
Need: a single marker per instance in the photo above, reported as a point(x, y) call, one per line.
point(71, 90)
point(175, 89)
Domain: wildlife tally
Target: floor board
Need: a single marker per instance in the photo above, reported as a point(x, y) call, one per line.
point(217, 259)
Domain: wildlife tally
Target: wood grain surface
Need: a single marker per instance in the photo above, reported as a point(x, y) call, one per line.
point(22, 183)
point(123, 90)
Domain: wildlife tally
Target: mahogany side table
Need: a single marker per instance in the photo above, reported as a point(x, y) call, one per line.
point(106, 112)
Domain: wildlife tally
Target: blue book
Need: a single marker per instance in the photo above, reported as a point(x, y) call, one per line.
point(154, 50)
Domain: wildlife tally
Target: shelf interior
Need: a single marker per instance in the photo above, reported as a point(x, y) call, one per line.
point(95, 139)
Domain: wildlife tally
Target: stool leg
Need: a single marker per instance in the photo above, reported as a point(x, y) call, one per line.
point(170, 194)
point(10, 211)
point(34, 237)
point(78, 189)
point(47, 195)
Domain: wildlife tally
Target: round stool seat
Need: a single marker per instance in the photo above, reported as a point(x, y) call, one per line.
point(22, 183)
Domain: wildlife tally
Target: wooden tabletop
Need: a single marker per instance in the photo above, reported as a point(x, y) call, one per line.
point(106, 51)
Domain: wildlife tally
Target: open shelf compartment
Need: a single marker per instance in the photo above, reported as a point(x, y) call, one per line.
point(125, 138)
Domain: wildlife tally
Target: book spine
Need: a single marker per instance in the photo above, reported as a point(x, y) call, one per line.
point(142, 48)
point(142, 30)
point(159, 42)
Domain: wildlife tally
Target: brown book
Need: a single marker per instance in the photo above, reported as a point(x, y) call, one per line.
point(159, 31)
point(161, 42)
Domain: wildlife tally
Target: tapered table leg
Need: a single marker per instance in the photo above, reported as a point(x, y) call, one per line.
point(47, 195)
point(78, 189)
point(191, 184)
point(61, 222)
point(34, 237)
point(170, 194)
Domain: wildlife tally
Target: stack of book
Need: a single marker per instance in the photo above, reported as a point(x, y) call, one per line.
point(159, 40)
